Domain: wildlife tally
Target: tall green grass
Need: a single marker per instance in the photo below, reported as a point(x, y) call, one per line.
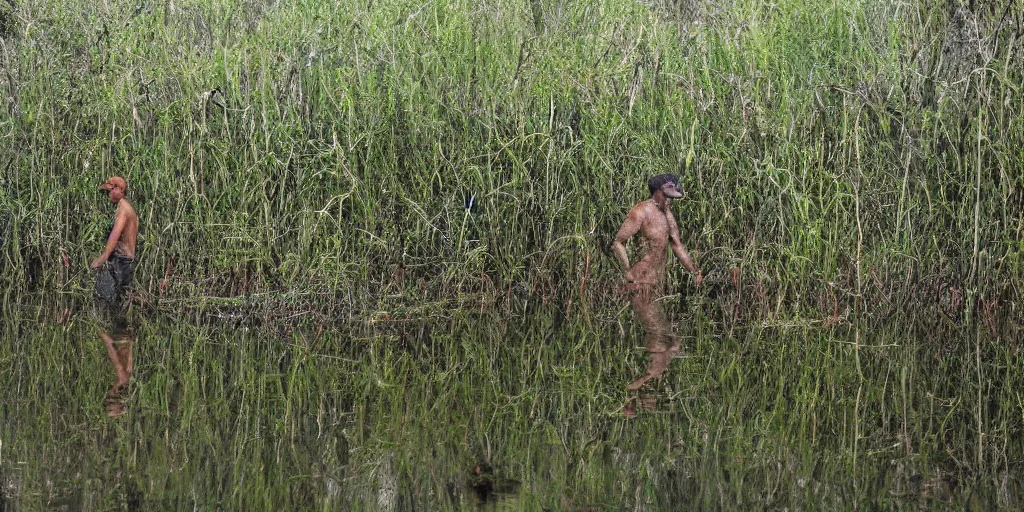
point(336, 317)
point(310, 148)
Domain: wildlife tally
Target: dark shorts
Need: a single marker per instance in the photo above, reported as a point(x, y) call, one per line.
point(112, 282)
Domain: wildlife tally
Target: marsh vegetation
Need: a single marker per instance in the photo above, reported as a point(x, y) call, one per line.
point(374, 270)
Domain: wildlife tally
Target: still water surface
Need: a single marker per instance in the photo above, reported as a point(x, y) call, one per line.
point(487, 409)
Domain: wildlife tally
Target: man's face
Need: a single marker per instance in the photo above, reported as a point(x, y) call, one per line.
point(671, 190)
point(114, 193)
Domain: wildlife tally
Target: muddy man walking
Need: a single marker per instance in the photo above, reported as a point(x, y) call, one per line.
point(115, 266)
point(646, 278)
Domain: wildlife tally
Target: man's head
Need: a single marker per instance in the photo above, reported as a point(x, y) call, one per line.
point(667, 183)
point(116, 187)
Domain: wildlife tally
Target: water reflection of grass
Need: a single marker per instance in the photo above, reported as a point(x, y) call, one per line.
point(244, 420)
point(330, 317)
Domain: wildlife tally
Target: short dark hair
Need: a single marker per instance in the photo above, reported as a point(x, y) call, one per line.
point(654, 184)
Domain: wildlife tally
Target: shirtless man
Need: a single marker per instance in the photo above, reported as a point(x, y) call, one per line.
point(115, 266)
point(646, 278)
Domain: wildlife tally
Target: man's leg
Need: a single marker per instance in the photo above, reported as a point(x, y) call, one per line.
point(662, 350)
point(127, 359)
point(122, 374)
point(123, 270)
point(124, 351)
point(657, 337)
point(104, 296)
point(662, 345)
point(636, 404)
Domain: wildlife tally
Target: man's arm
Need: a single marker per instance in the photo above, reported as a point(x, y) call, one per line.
point(680, 251)
point(120, 219)
point(629, 228)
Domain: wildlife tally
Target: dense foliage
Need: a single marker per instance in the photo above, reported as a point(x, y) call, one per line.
point(870, 148)
point(414, 201)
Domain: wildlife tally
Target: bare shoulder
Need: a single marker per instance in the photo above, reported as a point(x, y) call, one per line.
point(640, 210)
point(635, 220)
point(125, 208)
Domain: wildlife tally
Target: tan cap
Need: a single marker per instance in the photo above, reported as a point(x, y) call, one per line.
point(115, 181)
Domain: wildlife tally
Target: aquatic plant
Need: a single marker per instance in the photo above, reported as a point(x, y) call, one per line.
point(361, 223)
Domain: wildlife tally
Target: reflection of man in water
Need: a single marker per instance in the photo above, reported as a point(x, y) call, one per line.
point(646, 278)
point(115, 266)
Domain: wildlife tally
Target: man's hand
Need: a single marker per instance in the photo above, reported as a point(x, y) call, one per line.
point(625, 289)
point(97, 263)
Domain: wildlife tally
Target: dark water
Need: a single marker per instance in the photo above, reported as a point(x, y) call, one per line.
point(487, 409)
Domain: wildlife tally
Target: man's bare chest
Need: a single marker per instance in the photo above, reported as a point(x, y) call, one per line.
point(656, 227)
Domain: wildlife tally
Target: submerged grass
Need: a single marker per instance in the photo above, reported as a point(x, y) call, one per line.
point(373, 252)
point(239, 419)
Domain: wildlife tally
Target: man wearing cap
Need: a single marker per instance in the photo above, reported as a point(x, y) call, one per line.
point(646, 278)
point(115, 266)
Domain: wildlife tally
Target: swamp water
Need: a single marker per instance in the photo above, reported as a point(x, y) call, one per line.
point(862, 158)
point(512, 411)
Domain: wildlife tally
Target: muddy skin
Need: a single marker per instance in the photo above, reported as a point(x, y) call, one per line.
point(654, 221)
point(661, 343)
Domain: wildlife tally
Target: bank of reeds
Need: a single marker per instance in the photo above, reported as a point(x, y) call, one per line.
point(417, 200)
point(832, 151)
